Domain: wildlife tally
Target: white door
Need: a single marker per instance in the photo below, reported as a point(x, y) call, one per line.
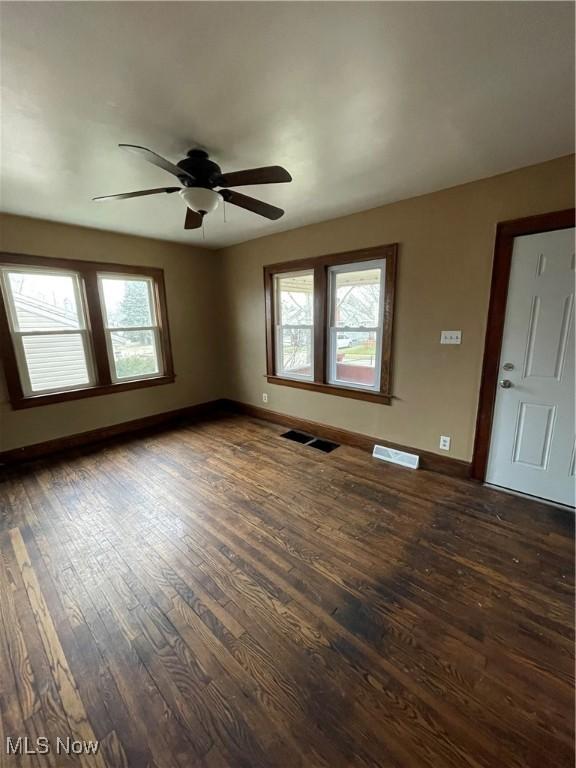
point(532, 443)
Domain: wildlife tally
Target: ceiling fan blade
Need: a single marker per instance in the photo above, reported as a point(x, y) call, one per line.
point(271, 174)
point(141, 193)
point(193, 220)
point(155, 159)
point(251, 204)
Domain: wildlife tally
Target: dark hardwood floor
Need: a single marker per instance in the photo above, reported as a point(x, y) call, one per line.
point(215, 595)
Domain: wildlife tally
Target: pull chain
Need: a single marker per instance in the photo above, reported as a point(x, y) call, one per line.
point(203, 230)
point(224, 208)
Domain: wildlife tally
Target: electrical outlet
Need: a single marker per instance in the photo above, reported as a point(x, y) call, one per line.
point(451, 337)
point(264, 397)
point(444, 442)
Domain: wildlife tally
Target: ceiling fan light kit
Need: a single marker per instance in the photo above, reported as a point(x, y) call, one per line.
point(200, 199)
point(199, 176)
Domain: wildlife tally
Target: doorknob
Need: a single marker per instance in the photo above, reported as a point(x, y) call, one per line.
point(506, 383)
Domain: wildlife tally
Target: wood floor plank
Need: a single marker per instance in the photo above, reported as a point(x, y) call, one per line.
point(457, 701)
point(16, 645)
point(217, 596)
point(81, 728)
point(213, 564)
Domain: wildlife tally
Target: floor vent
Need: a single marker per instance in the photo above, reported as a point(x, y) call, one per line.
point(410, 460)
point(323, 445)
point(298, 437)
point(314, 442)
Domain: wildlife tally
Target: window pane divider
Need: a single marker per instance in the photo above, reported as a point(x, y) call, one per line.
point(320, 320)
point(94, 307)
point(55, 332)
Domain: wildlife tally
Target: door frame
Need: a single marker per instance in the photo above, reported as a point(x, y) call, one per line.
point(506, 231)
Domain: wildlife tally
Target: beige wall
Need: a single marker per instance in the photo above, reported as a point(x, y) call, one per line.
point(216, 312)
point(191, 287)
point(446, 246)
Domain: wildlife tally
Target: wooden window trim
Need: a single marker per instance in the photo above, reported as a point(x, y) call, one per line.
point(319, 265)
point(88, 270)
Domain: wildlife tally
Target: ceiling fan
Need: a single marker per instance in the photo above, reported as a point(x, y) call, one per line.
point(199, 176)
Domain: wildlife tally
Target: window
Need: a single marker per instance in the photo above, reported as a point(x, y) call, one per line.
point(329, 323)
point(294, 295)
point(355, 330)
point(76, 329)
point(131, 327)
point(49, 329)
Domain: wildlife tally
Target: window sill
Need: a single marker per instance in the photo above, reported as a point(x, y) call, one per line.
point(78, 394)
point(330, 389)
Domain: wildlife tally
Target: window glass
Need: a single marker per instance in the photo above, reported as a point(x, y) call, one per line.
point(43, 302)
point(294, 302)
point(356, 357)
point(129, 305)
point(134, 353)
point(55, 361)
point(47, 319)
point(296, 293)
point(127, 302)
point(296, 351)
point(355, 332)
point(357, 298)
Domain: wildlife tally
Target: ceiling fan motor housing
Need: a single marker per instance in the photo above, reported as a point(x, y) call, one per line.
point(205, 171)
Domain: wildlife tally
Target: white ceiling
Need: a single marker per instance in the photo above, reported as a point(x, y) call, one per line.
point(364, 103)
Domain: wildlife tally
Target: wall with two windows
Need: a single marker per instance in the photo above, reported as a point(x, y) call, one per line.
point(216, 313)
point(131, 330)
point(446, 244)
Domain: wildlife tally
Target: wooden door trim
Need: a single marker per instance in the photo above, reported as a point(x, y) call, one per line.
point(506, 231)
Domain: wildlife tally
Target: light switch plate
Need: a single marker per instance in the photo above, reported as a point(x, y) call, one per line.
point(264, 397)
point(451, 337)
